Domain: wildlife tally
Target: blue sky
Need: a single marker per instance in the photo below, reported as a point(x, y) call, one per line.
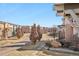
point(29, 13)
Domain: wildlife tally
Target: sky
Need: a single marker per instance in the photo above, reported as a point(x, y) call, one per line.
point(30, 13)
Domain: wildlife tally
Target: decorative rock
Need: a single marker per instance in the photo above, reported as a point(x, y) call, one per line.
point(55, 44)
point(46, 47)
point(39, 45)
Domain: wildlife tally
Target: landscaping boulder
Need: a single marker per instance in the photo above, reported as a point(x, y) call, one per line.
point(55, 44)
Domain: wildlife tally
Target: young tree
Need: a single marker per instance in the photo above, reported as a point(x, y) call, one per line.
point(39, 32)
point(19, 33)
point(34, 35)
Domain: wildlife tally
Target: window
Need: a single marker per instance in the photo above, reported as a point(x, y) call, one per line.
point(60, 11)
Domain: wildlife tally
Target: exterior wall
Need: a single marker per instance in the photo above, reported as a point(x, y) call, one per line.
point(68, 33)
point(78, 32)
point(59, 7)
point(68, 30)
point(71, 6)
point(6, 34)
point(66, 6)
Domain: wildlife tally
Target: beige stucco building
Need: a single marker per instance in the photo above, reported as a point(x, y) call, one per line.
point(70, 13)
point(8, 27)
